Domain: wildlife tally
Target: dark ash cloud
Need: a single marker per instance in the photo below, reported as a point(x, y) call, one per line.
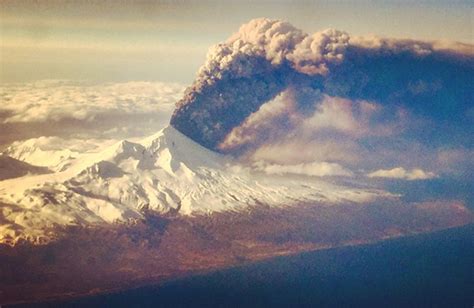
point(266, 57)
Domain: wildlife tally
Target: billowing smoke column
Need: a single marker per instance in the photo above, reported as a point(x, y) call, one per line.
point(267, 57)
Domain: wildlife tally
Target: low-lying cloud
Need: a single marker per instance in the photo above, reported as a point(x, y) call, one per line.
point(318, 169)
point(402, 173)
point(83, 110)
point(56, 101)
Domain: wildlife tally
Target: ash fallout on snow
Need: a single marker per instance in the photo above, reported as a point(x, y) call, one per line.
point(226, 109)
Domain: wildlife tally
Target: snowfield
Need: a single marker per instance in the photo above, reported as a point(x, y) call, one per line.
point(166, 172)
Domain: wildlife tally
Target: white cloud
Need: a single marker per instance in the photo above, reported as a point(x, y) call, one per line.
point(83, 110)
point(55, 101)
point(340, 114)
point(402, 173)
point(281, 118)
point(300, 150)
point(309, 169)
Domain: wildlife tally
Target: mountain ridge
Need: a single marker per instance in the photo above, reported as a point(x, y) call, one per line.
point(164, 172)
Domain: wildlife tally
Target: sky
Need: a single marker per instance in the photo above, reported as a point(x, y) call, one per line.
point(168, 40)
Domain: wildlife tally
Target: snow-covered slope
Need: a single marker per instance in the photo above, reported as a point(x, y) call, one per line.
point(13, 168)
point(54, 153)
point(164, 172)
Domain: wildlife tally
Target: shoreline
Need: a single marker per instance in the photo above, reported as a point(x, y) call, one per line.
point(154, 283)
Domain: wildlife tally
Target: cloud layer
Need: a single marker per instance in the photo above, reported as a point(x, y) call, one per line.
point(318, 169)
point(401, 173)
point(56, 101)
point(82, 110)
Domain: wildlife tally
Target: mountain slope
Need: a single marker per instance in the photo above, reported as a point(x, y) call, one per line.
point(13, 168)
point(52, 152)
point(166, 172)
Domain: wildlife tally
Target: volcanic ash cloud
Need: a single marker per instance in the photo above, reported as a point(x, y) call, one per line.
point(222, 108)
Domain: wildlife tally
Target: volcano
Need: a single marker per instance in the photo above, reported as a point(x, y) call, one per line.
point(164, 173)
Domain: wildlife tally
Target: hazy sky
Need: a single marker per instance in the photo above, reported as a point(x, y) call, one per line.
point(167, 41)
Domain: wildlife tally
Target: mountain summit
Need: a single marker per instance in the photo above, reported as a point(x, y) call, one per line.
point(165, 173)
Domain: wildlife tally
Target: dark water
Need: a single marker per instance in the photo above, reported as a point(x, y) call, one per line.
point(435, 189)
point(434, 270)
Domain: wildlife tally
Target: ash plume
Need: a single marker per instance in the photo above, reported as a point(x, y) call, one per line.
point(267, 60)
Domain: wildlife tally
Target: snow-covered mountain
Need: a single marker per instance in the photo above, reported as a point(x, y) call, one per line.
point(55, 153)
point(13, 168)
point(166, 172)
